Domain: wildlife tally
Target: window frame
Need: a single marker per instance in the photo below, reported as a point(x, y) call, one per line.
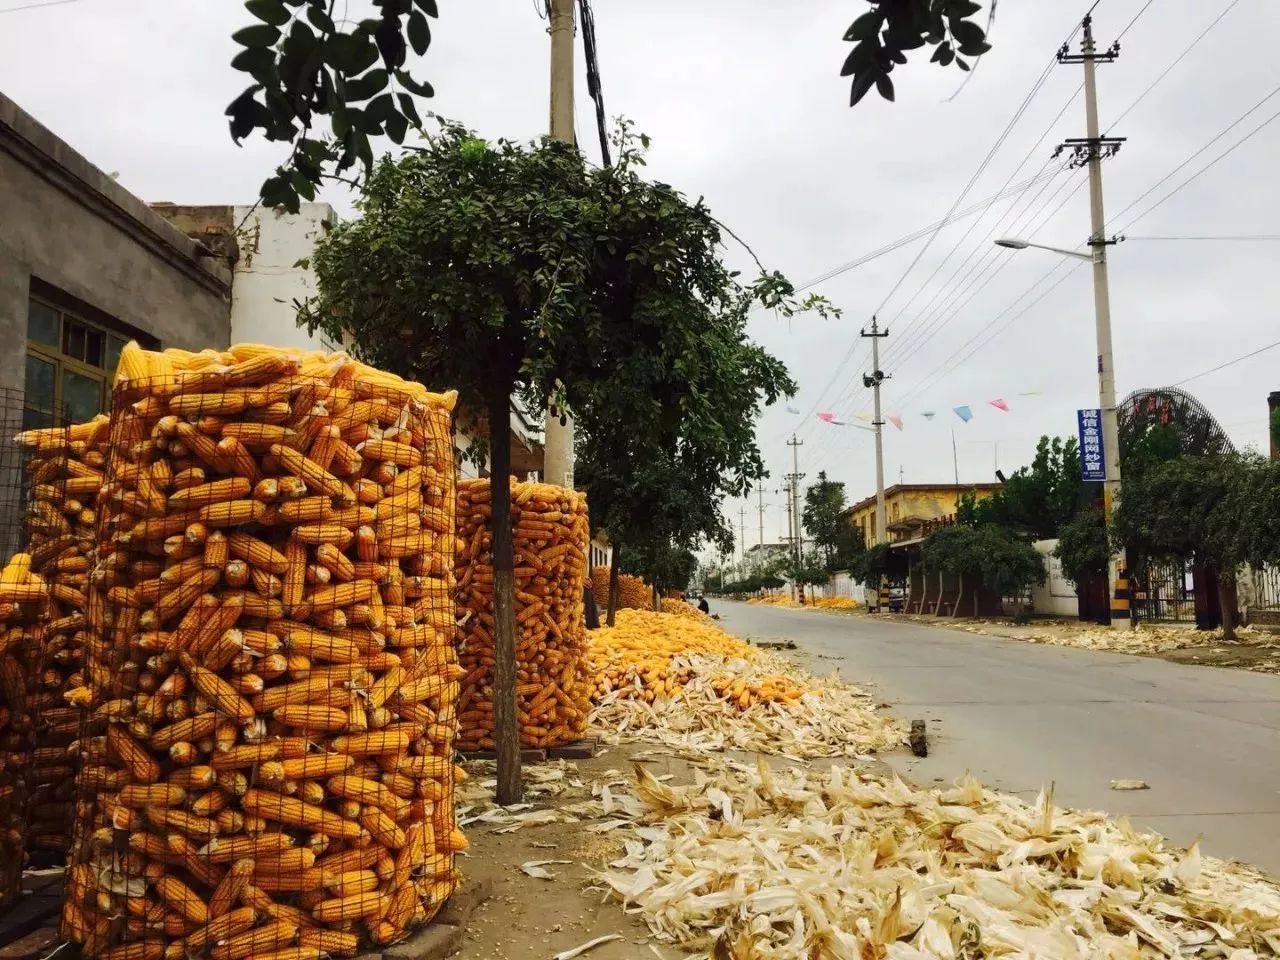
point(67, 308)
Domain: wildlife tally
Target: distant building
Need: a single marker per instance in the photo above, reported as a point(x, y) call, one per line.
point(912, 508)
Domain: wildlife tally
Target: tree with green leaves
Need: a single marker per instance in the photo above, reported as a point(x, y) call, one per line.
point(664, 566)
point(955, 550)
point(823, 519)
point(1083, 547)
point(809, 570)
point(1037, 500)
point(1010, 564)
point(1205, 509)
point(515, 269)
point(326, 85)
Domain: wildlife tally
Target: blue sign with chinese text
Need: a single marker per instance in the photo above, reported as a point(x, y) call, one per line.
point(1093, 464)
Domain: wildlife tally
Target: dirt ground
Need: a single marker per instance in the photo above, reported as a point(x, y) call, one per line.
point(527, 917)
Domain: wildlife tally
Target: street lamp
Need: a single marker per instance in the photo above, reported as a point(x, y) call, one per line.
point(1106, 376)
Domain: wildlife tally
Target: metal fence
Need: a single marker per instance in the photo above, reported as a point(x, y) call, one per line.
point(1164, 591)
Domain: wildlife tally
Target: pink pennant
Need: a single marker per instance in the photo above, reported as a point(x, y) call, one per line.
point(826, 416)
point(999, 404)
point(895, 420)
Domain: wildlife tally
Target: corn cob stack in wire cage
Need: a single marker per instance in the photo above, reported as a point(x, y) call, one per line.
point(270, 685)
point(554, 676)
point(23, 608)
point(64, 474)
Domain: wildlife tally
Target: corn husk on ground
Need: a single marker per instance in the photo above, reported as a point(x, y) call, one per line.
point(633, 592)
point(23, 608)
point(271, 683)
point(64, 478)
point(809, 864)
point(553, 675)
point(695, 687)
point(836, 603)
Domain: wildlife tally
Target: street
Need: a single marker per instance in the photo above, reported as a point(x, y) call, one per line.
point(1020, 715)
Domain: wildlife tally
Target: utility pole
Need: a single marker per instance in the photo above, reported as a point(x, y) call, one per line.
point(795, 476)
point(760, 491)
point(873, 380)
point(1090, 151)
point(558, 435)
point(742, 533)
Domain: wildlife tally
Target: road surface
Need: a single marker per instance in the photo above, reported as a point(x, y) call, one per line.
point(1019, 715)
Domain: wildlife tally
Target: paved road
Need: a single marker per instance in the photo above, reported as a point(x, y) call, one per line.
point(1020, 715)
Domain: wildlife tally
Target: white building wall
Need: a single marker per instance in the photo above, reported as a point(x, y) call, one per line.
point(1056, 596)
point(267, 280)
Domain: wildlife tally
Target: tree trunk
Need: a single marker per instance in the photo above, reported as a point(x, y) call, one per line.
point(657, 600)
point(1225, 599)
point(613, 585)
point(937, 604)
point(955, 611)
point(977, 588)
point(506, 732)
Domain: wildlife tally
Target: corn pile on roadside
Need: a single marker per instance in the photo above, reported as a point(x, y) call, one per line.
point(270, 679)
point(836, 603)
point(553, 677)
point(64, 477)
point(679, 608)
point(633, 592)
point(23, 605)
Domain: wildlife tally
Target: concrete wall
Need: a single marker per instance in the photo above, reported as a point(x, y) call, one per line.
point(67, 223)
point(1056, 596)
point(267, 280)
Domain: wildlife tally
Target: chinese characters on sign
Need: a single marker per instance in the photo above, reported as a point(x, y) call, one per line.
point(1092, 463)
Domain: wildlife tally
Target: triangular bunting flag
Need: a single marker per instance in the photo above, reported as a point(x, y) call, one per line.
point(895, 420)
point(963, 412)
point(999, 404)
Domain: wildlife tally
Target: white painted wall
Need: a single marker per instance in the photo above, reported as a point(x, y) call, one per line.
point(1056, 596)
point(266, 281)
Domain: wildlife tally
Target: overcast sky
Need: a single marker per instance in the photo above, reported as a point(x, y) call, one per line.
point(746, 107)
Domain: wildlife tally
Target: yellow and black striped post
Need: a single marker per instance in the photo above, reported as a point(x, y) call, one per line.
point(882, 599)
point(1120, 596)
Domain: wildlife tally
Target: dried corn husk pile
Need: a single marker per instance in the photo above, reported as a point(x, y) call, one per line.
point(23, 605)
point(833, 863)
point(271, 682)
point(553, 674)
point(775, 600)
point(633, 592)
point(1144, 638)
point(64, 476)
point(679, 608)
point(695, 687)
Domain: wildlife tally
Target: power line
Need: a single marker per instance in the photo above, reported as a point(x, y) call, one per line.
point(32, 6)
point(1231, 126)
point(1177, 60)
point(1255, 236)
point(594, 89)
point(1229, 363)
point(1136, 16)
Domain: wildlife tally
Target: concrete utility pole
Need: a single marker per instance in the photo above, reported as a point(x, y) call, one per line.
point(742, 533)
point(760, 491)
point(795, 476)
point(876, 377)
point(558, 436)
point(1091, 151)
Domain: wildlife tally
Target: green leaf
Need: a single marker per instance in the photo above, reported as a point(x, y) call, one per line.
point(397, 127)
point(419, 32)
point(350, 54)
point(390, 41)
point(428, 7)
point(884, 86)
point(320, 20)
point(967, 33)
point(367, 85)
point(862, 83)
point(422, 89)
point(269, 11)
point(866, 26)
point(277, 191)
point(410, 110)
point(259, 62)
point(259, 35)
point(962, 8)
point(962, 65)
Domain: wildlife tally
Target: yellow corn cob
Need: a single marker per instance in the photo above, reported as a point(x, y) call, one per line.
point(344, 909)
point(246, 755)
point(296, 813)
point(258, 942)
point(311, 717)
point(132, 755)
point(232, 513)
point(207, 494)
point(235, 848)
point(256, 552)
point(325, 532)
point(182, 899)
point(220, 694)
point(321, 480)
point(317, 766)
point(223, 925)
point(151, 795)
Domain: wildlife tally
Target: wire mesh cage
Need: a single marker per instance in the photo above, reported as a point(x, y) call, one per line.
point(550, 533)
point(271, 688)
point(63, 475)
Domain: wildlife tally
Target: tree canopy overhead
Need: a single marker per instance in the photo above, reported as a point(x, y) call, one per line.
point(326, 85)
